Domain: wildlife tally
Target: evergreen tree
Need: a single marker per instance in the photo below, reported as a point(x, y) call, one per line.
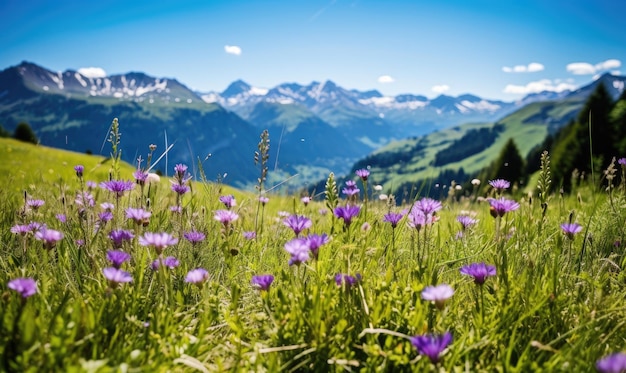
point(23, 132)
point(509, 165)
point(618, 125)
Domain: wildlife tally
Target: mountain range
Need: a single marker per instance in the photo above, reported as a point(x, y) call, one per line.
point(314, 128)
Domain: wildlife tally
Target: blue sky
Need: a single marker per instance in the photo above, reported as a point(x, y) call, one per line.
point(496, 49)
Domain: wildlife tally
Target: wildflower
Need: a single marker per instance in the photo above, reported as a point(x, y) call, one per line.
point(116, 276)
point(431, 345)
point(297, 223)
point(25, 286)
point(315, 241)
point(139, 216)
point(197, 276)
point(157, 240)
point(79, 168)
point(61, 217)
point(50, 237)
point(417, 219)
point(262, 282)
point(475, 182)
point(363, 174)
point(466, 221)
point(306, 200)
point(118, 187)
point(180, 170)
point(501, 206)
point(614, 363)
point(176, 209)
point(427, 205)
point(140, 177)
point(622, 161)
point(226, 217)
point(499, 184)
point(264, 200)
point(169, 262)
point(343, 279)
point(438, 294)
point(299, 250)
point(91, 185)
point(35, 204)
point(194, 237)
point(228, 201)
point(347, 213)
point(350, 189)
point(22, 230)
point(378, 187)
point(249, 235)
point(392, 218)
point(180, 189)
point(117, 258)
point(118, 236)
point(35, 227)
point(365, 227)
point(570, 229)
point(84, 200)
point(323, 211)
point(105, 216)
point(106, 206)
point(479, 271)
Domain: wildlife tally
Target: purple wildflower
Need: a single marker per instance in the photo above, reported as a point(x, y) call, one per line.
point(50, 237)
point(194, 237)
point(363, 174)
point(438, 294)
point(180, 170)
point(197, 276)
point(297, 223)
point(25, 286)
point(315, 241)
point(347, 213)
point(228, 201)
point(417, 219)
point(299, 250)
point(622, 161)
point(84, 200)
point(176, 209)
point(116, 276)
point(169, 262)
point(117, 258)
point(479, 271)
point(106, 206)
point(306, 200)
point(466, 221)
point(79, 168)
point(35, 204)
point(180, 189)
point(91, 185)
point(431, 345)
point(35, 226)
point(226, 217)
point(105, 216)
point(139, 216)
point(614, 363)
point(140, 177)
point(501, 206)
point(499, 184)
point(249, 235)
point(22, 230)
point(344, 279)
point(118, 187)
point(351, 189)
point(157, 240)
point(119, 236)
point(262, 282)
point(62, 218)
point(427, 205)
point(570, 229)
point(392, 218)
point(263, 200)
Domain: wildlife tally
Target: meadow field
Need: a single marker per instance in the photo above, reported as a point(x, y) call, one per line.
point(105, 269)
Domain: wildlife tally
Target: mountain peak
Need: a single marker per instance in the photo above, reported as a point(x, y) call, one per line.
point(235, 88)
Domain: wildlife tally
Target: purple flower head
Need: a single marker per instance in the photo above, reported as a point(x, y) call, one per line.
point(362, 173)
point(117, 258)
point(61, 217)
point(392, 218)
point(350, 189)
point(228, 201)
point(176, 209)
point(84, 200)
point(116, 276)
point(197, 276)
point(306, 200)
point(106, 206)
point(117, 187)
point(614, 363)
point(427, 205)
point(299, 250)
point(479, 271)
point(91, 185)
point(622, 161)
point(501, 206)
point(25, 286)
point(169, 262)
point(315, 241)
point(417, 219)
point(263, 200)
point(249, 235)
point(105, 216)
point(344, 279)
point(194, 237)
point(570, 229)
point(180, 189)
point(157, 240)
point(35, 226)
point(139, 216)
point(226, 217)
point(35, 204)
point(431, 345)
point(79, 168)
point(22, 230)
point(297, 223)
point(50, 237)
point(438, 294)
point(140, 177)
point(499, 184)
point(262, 282)
point(347, 213)
point(180, 170)
point(466, 221)
point(119, 236)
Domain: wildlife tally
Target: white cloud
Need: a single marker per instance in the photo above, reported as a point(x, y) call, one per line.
point(233, 49)
point(385, 79)
point(530, 68)
point(92, 72)
point(585, 68)
point(440, 88)
point(538, 86)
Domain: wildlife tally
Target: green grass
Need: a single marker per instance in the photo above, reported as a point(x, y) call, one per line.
point(555, 304)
